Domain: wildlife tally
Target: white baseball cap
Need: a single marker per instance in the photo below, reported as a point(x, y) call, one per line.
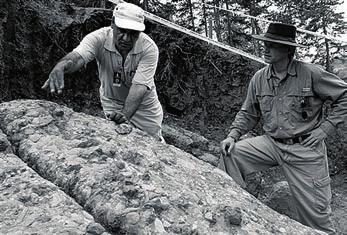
point(129, 16)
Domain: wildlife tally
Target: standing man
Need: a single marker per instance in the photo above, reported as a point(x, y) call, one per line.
point(127, 60)
point(289, 96)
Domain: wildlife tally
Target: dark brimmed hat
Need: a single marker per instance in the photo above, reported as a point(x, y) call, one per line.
point(280, 33)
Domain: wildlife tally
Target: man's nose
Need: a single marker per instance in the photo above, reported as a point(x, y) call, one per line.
point(126, 37)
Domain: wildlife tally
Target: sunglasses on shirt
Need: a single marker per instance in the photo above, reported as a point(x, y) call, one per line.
point(304, 104)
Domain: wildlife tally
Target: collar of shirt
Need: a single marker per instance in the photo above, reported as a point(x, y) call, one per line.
point(269, 72)
point(109, 45)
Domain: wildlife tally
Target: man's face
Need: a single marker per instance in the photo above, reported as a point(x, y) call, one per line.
point(124, 39)
point(275, 52)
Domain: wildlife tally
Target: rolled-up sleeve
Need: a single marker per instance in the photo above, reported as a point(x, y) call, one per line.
point(330, 87)
point(249, 115)
point(144, 74)
point(88, 47)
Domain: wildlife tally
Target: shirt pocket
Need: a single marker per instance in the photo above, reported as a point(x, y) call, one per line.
point(266, 106)
point(129, 75)
point(134, 62)
point(265, 101)
point(131, 68)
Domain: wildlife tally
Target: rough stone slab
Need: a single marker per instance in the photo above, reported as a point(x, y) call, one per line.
point(192, 143)
point(30, 204)
point(132, 183)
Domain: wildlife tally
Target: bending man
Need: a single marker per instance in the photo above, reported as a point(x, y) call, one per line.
point(127, 60)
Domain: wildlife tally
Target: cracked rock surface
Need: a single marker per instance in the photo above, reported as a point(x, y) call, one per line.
point(30, 204)
point(130, 184)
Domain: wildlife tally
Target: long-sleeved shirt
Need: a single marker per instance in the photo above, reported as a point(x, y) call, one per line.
point(292, 106)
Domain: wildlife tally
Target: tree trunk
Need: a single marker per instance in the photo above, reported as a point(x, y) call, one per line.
point(204, 17)
point(103, 4)
point(217, 27)
point(254, 28)
point(327, 49)
point(326, 41)
point(229, 23)
point(210, 28)
point(190, 5)
point(145, 5)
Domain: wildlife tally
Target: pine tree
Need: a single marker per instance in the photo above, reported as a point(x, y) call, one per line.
point(255, 8)
point(185, 13)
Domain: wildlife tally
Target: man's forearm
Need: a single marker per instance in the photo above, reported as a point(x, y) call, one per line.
point(71, 62)
point(134, 99)
point(244, 122)
point(235, 134)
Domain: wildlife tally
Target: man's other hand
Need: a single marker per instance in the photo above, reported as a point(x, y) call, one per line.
point(118, 117)
point(316, 136)
point(227, 145)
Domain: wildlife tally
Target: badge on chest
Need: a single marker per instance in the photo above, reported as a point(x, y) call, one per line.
point(117, 79)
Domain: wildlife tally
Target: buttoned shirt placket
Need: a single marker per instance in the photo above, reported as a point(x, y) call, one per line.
point(120, 64)
point(279, 93)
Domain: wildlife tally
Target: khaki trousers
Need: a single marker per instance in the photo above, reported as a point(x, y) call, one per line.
point(146, 120)
point(306, 170)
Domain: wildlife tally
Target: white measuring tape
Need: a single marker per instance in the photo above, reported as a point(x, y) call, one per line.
point(268, 21)
point(201, 37)
point(196, 35)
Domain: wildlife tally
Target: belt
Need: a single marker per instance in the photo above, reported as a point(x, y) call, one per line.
point(291, 141)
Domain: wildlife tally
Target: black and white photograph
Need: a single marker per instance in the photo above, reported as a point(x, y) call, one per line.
point(158, 117)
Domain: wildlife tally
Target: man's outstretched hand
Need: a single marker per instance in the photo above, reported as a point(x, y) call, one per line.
point(55, 80)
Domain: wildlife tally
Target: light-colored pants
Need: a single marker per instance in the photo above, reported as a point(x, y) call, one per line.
point(146, 120)
point(305, 168)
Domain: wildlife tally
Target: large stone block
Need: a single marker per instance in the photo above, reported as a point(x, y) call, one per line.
point(131, 183)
